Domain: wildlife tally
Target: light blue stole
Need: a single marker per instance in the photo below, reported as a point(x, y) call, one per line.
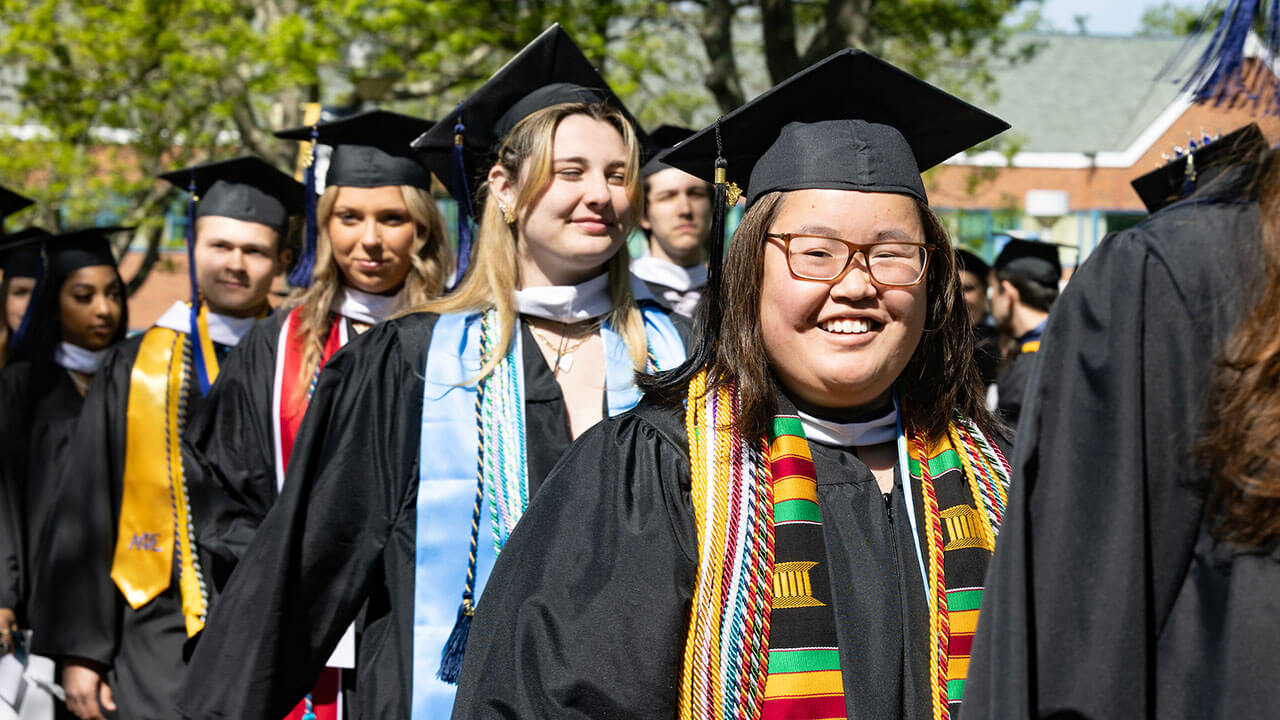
point(447, 478)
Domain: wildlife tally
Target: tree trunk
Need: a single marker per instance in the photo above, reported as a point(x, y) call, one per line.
point(778, 25)
point(717, 38)
point(845, 24)
point(153, 203)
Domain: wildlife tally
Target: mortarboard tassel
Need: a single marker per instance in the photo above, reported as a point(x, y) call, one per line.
point(455, 647)
point(16, 339)
point(710, 309)
point(300, 275)
point(195, 335)
point(1218, 72)
point(466, 214)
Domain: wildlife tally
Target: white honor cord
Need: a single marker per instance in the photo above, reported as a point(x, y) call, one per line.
point(904, 470)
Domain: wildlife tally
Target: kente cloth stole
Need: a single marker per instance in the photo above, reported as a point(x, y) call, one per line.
point(290, 392)
point(728, 669)
point(804, 680)
point(155, 512)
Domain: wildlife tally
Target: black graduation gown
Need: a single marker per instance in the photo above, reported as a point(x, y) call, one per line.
point(230, 446)
point(1012, 385)
point(1106, 597)
point(588, 606)
point(340, 539)
point(986, 352)
point(76, 604)
point(41, 414)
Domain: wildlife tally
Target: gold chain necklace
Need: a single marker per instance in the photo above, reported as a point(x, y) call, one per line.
point(564, 351)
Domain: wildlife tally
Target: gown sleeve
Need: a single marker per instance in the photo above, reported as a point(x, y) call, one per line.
point(13, 452)
point(1104, 507)
point(74, 601)
point(586, 611)
point(319, 550)
point(229, 452)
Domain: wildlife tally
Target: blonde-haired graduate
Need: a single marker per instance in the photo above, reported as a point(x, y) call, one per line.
point(427, 436)
point(375, 245)
point(796, 524)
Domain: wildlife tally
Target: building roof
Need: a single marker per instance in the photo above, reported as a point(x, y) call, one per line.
point(1088, 93)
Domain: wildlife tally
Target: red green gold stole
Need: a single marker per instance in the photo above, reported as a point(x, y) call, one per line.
point(742, 491)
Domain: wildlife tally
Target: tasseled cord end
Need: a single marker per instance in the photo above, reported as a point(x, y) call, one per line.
point(456, 646)
point(462, 194)
point(300, 275)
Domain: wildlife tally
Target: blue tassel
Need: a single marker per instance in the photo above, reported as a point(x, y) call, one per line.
point(193, 336)
point(1217, 74)
point(300, 275)
point(308, 709)
point(456, 646)
point(462, 183)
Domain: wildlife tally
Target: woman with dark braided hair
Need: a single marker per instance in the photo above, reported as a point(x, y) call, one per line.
point(1137, 575)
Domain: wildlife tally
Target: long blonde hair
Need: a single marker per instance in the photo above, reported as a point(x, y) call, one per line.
point(431, 259)
point(493, 276)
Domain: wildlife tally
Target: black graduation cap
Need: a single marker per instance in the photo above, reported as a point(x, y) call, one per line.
point(243, 188)
point(1030, 260)
point(370, 149)
point(77, 249)
point(970, 262)
point(548, 71)
point(20, 252)
point(10, 203)
point(849, 122)
point(461, 148)
point(1203, 160)
point(664, 138)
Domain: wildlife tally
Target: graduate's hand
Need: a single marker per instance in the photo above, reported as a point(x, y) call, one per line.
point(87, 694)
point(8, 625)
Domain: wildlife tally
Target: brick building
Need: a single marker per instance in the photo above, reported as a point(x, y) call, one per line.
point(1088, 116)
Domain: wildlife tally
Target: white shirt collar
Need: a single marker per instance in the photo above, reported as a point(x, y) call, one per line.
point(881, 430)
point(362, 307)
point(669, 274)
point(74, 357)
point(223, 329)
point(567, 303)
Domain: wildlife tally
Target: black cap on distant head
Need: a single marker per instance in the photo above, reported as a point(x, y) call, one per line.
point(970, 262)
point(664, 138)
point(370, 149)
point(244, 188)
point(1173, 181)
point(77, 249)
point(11, 202)
point(849, 122)
point(20, 252)
point(548, 71)
point(1030, 260)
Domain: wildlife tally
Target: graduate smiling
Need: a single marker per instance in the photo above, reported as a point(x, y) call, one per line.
point(796, 523)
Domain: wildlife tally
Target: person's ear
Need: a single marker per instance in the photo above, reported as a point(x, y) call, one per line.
point(284, 260)
point(502, 188)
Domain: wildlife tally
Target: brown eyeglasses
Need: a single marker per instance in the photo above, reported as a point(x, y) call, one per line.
point(813, 257)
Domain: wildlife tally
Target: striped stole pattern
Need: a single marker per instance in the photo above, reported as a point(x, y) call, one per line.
point(803, 680)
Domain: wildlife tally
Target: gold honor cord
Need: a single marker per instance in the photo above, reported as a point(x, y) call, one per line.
point(154, 502)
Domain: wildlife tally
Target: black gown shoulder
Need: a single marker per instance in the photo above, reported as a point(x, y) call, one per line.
point(627, 531)
point(1104, 561)
point(228, 449)
point(339, 537)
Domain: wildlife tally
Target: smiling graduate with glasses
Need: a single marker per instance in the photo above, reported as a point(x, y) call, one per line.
point(807, 507)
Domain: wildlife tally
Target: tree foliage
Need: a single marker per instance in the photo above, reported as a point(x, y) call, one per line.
point(113, 92)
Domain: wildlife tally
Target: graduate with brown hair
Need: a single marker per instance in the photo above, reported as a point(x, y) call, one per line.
point(797, 522)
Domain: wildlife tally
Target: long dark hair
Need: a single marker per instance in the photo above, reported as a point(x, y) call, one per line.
point(1242, 420)
point(939, 380)
point(44, 330)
